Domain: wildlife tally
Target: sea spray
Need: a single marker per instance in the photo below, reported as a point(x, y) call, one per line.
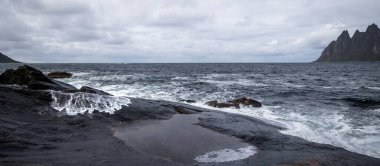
point(79, 103)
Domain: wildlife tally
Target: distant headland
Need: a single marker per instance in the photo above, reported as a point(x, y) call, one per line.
point(6, 59)
point(363, 46)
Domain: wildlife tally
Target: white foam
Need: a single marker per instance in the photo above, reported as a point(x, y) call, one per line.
point(263, 113)
point(333, 87)
point(335, 129)
point(79, 74)
point(79, 103)
point(243, 82)
point(227, 155)
point(374, 88)
point(330, 127)
point(180, 78)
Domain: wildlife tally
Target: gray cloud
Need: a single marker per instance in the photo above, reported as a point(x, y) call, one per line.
point(177, 31)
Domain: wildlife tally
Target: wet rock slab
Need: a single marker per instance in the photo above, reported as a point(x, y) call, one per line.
point(179, 139)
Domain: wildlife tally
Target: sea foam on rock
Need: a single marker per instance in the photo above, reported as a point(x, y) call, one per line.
point(79, 103)
point(227, 155)
point(64, 97)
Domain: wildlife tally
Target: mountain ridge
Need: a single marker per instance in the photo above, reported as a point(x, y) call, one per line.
point(363, 46)
point(6, 59)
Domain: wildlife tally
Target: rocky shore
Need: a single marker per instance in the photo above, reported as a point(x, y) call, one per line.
point(32, 132)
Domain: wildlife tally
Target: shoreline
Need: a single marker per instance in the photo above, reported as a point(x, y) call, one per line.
point(33, 132)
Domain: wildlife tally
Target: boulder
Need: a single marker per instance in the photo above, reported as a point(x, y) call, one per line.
point(32, 78)
point(235, 103)
point(59, 74)
point(87, 89)
point(246, 102)
point(93, 90)
point(216, 104)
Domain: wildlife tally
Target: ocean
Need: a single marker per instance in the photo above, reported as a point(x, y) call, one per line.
point(332, 103)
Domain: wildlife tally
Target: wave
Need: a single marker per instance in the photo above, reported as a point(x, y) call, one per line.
point(79, 103)
point(327, 127)
point(373, 88)
point(80, 74)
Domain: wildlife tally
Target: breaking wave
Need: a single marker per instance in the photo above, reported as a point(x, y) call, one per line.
point(79, 103)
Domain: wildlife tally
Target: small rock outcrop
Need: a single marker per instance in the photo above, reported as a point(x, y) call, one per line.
point(363, 46)
point(187, 101)
point(246, 102)
point(59, 74)
point(6, 59)
point(87, 89)
point(235, 103)
point(32, 78)
point(93, 90)
point(216, 104)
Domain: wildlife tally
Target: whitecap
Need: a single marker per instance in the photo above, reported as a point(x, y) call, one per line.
point(374, 88)
point(79, 74)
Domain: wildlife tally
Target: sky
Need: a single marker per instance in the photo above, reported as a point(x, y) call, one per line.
point(170, 31)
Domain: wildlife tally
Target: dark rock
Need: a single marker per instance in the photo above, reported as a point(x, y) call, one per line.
point(59, 74)
point(216, 104)
point(87, 89)
point(182, 109)
point(235, 103)
point(93, 90)
point(187, 101)
point(6, 59)
point(246, 102)
point(363, 46)
point(32, 78)
point(364, 103)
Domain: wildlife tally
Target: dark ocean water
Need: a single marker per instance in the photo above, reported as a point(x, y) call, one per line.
point(334, 103)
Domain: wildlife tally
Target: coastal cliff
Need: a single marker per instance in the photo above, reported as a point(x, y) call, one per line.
point(363, 46)
point(6, 59)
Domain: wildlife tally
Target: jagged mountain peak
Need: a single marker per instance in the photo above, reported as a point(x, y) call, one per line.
point(363, 46)
point(345, 33)
point(373, 28)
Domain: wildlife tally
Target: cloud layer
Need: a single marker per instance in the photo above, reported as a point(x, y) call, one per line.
point(177, 30)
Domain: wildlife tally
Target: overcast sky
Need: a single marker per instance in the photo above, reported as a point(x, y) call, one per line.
point(177, 30)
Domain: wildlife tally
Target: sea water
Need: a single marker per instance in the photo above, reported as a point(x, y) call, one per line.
point(332, 103)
